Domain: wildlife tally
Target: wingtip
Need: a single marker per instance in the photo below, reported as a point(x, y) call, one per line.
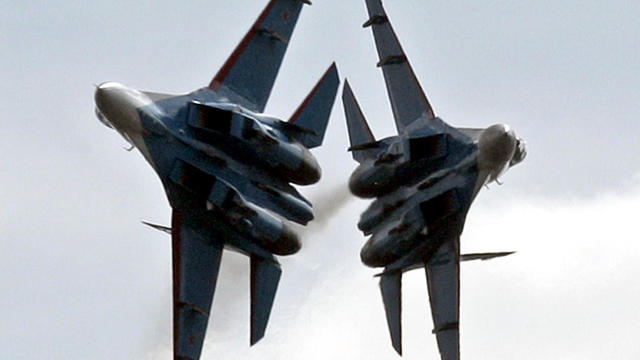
point(391, 288)
point(347, 92)
point(333, 70)
point(255, 338)
point(265, 276)
point(398, 348)
point(346, 84)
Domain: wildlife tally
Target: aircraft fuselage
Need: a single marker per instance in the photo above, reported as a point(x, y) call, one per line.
point(201, 178)
point(416, 174)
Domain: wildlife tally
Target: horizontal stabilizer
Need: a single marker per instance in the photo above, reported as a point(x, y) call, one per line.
point(363, 143)
point(265, 276)
point(312, 116)
point(252, 68)
point(391, 288)
point(484, 256)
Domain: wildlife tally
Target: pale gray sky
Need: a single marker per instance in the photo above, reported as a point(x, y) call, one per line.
point(82, 278)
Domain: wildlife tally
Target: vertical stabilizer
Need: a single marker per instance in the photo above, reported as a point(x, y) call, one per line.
point(312, 116)
point(359, 132)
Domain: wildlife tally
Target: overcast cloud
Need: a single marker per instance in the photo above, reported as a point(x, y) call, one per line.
point(82, 278)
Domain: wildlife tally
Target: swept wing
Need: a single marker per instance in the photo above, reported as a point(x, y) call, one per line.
point(248, 75)
point(408, 100)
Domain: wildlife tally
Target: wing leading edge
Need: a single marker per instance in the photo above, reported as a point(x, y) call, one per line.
point(252, 68)
point(408, 100)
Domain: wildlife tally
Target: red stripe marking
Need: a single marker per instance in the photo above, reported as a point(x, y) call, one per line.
point(176, 229)
point(226, 68)
point(423, 96)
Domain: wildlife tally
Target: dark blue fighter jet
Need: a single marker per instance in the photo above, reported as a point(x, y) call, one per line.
point(423, 181)
point(227, 168)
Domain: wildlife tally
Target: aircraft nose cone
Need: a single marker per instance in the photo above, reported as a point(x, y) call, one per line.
point(117, 106)
point(497, 142)
point(106, 97)
point(104, 89)
point(521, 152)
point(496, 147)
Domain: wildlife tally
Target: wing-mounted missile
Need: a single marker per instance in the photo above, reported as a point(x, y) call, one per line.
point(308, 123)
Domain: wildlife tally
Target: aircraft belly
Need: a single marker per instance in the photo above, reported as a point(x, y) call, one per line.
point(144, 150)
point(387, 245)
point(164, 155)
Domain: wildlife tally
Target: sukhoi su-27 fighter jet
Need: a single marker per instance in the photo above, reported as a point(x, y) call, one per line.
point(423, 181)
point(227, 168)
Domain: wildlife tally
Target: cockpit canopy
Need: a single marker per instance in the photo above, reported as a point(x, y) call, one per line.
point(520, 152)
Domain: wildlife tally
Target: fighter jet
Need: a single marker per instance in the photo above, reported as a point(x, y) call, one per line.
point(226, 168)
point(423, 181)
